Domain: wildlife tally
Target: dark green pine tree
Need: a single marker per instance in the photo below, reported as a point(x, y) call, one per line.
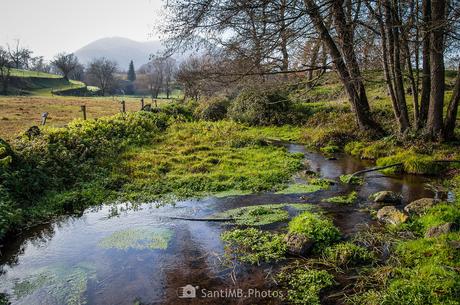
point(131, 72)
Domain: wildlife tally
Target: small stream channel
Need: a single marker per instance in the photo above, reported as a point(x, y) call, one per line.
point(63, 262)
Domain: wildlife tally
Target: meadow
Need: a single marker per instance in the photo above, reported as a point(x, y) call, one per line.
point(18, 113)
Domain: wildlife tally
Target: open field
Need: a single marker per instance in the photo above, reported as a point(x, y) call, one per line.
point(20, 112)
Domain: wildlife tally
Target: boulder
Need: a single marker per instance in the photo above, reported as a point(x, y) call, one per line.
point(419, 206)
point(441, 229)
point(298, 244)
point(386, 197)
point(391, 215)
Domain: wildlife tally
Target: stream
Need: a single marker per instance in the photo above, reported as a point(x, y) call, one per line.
point(65, 262)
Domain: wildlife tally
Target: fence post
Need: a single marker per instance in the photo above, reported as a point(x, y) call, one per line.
point(83, 109)
point(123, 106)
point(142, 103)
point(44, 117)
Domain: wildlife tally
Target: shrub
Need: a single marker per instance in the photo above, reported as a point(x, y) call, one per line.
point(257, 106)
point(316, 227)
point(305, 285)
point(212, 109)
point(254, 246)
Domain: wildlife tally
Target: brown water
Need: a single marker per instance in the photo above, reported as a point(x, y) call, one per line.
point(86, 273)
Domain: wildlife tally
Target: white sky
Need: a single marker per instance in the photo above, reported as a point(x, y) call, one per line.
point(52, 26)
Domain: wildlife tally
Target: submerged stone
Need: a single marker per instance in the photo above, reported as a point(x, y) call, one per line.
point(391, 215)
point(419, 206)
point(386, 197)
point(298, 244)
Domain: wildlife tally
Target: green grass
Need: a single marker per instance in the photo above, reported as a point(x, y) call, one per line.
point(195, 159)
point(27, 73)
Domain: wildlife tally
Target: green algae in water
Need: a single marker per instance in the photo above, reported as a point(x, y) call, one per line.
point(231, 193)
point(138, 238)
point(32, 283)
point(299, 188)
point(261, 214)
point(63, 285)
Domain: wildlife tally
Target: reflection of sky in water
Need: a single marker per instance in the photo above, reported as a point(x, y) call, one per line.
point(192, 255)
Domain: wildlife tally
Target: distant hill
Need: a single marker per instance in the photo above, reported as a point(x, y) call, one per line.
point(122, 50)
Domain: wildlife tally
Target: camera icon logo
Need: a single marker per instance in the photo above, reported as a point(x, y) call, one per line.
point(187, 292)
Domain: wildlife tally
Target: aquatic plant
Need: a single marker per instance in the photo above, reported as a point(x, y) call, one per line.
point(316, 227)
point(304, 285)
point(350, 179)
point(347, 254)
point(63, 285)
point(254, 246)
point(344, 199)
point(256, 215)
point(138, 239)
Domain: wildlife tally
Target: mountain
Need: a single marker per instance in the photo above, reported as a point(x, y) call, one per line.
point(122, 50)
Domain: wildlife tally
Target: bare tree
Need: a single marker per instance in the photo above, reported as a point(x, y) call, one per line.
point(5, 69)
point(20, 56)
point(65, 63)
point(101, 72)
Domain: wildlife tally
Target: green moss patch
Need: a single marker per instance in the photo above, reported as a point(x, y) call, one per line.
point(316, 227)
point(299, 188)
point(412, 163)
point(231, 193)
point(261, 214)
point(254, 246)
point(138, 238)
point(343, 200)
point(304, 285)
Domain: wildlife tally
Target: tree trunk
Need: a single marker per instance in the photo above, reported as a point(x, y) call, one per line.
point(426, 82)
point(284, 38)
point(357, 97)
point(451, 117)
point(394, 49)
point(435, 112)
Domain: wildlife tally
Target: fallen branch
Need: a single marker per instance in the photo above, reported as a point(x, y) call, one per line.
point(392, 165)
point(202, 219)
point(373, 169)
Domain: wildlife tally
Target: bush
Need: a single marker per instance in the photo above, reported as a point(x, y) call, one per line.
point(212, 109)
point(64, 159)
point(316, 227)
point(257, 106)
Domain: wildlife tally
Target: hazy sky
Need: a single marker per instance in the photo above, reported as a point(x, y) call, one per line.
point(52, 26)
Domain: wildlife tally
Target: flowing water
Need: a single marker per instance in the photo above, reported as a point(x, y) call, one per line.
point(72, 260)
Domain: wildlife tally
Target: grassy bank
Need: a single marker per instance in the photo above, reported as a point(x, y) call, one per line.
point(136, 156)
